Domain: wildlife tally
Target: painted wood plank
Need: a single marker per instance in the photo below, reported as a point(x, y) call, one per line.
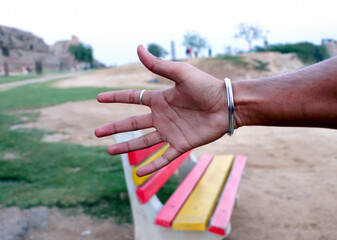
point(139, 180)
point(138, 156)
point(195, 213)
point(171, 208)
point(223, 212)
point(152, 186)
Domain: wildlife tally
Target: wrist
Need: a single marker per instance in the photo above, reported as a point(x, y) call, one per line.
point(245, 98)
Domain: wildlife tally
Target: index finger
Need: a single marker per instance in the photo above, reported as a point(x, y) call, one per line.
point(125, 96)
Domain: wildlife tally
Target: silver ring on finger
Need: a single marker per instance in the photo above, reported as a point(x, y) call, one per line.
point(141, 96)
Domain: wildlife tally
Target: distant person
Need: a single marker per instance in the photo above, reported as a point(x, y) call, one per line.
point(190, 52)
point(5, 71)
point(195, 111)
point(187, 52)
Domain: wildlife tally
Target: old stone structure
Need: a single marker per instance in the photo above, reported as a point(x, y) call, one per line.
point(60, 50)
point(331, 46)
point(23, 50)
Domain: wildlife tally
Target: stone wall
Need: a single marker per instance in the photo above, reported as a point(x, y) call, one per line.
point(21, 49)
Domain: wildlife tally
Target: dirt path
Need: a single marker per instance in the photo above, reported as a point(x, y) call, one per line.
point(38, 80)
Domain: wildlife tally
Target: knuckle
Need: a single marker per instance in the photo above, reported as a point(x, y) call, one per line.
point(127, 146)
point(134, 123)
point(132, 97)
point(145, 141)
point(113, 128)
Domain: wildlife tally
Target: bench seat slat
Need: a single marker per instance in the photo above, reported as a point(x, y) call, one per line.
point(140, 180)
point(158, 179)
point(197, 210)
point(138, 156)
point(171, 208)
point(222, 215)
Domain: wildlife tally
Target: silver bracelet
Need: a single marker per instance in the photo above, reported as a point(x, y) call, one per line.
point(230, 101)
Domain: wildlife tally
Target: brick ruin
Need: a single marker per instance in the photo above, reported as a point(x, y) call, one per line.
point(21, 51)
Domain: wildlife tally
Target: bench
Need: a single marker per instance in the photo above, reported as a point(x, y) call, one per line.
point(202, 204)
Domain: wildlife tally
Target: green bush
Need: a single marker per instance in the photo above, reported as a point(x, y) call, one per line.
point(156, 50)
point(306, 51)
point(260, 65)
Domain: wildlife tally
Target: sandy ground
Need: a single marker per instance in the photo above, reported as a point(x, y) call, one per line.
point(69, 227)
point(42, 223)
point(289, 187)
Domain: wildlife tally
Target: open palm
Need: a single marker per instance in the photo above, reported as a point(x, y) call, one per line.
point(191, 114)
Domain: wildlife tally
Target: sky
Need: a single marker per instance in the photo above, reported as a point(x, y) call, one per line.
point(114, 28)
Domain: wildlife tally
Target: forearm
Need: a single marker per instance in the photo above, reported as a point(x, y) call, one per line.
point(307, 97)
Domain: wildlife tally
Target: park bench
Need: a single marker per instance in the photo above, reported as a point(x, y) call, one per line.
point(202, 204)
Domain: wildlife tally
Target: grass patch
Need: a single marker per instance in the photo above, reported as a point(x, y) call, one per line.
point(56, 174)
point(41, 95)
point(235, 60)
point(64, 175)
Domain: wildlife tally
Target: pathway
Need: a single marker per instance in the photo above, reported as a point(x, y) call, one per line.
point(5, 86)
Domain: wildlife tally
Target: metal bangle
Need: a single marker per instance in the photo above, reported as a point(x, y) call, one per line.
point(230, 101)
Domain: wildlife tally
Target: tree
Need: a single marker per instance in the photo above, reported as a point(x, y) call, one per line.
point(249, 32)
point(156, 50)
point(194, 41)
point(81, 52)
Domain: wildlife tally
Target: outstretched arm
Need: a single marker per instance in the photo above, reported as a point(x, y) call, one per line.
point(306, 98)
point(194, 112)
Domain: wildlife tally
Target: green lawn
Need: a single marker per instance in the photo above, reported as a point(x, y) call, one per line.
point(34, 173)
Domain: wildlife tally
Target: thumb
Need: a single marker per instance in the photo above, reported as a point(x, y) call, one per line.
point(167, 69)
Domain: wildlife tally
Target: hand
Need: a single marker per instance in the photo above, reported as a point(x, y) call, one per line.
point(191, 114)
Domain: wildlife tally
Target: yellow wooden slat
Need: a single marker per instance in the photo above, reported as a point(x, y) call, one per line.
point(195, 213)
point(139, 180)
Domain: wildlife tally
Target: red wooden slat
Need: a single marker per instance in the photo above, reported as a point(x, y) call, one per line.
point(138, 156)
point(223, 212)
point(152, 185)
point(171, 208)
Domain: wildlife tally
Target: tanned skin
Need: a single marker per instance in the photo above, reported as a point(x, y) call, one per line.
point(195, 112)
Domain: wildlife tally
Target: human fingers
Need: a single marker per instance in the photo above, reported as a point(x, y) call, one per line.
point(128, 124)
point(144, 141)
point(170, 154)
point(125, 96)
point(168, 69)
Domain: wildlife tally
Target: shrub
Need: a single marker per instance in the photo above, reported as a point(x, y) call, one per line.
point(306, 51)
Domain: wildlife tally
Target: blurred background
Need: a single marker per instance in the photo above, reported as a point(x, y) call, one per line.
point(56, 179)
